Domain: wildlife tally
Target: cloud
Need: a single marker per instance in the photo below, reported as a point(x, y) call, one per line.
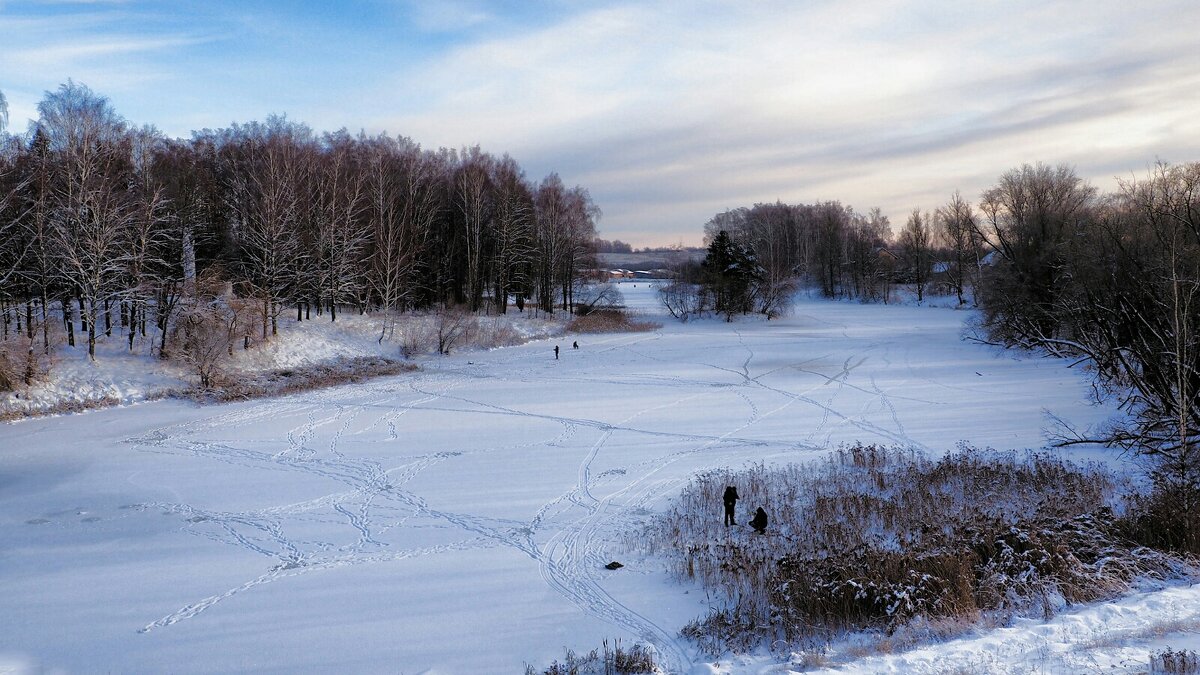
point(655, 106)
point(668, 111)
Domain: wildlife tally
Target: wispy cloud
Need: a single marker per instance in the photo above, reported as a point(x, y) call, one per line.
point(669, 111)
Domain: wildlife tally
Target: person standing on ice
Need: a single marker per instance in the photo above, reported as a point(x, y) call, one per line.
point(759, 523)
point(555, 352)
point(730, 498)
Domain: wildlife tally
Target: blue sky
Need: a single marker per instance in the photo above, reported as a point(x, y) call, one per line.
point(668, 112)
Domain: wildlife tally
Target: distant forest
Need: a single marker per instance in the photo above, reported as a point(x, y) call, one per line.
point(1107, 280)
point(104, 222)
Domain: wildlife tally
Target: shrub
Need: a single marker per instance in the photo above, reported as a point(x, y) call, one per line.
point(23, 361)
point(416, 337)
point(884, 539)
point(1168, 516)
point(452, 325)
point(205, 332)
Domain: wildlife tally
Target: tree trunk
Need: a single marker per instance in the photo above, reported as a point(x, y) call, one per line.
point(68, 322)
point(45, 323)
point(189, 262)
point(91, 323)
point(132, 308)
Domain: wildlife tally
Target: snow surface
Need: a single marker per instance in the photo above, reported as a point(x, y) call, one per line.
point(457, 519)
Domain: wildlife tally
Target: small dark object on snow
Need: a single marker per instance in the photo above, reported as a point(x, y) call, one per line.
point(574, 345)
point(614, 565)
point(555, 352)
point(730, 499)
point(759, 523)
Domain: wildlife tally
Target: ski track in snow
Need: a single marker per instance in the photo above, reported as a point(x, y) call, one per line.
point(575, 528)
point(359, 497)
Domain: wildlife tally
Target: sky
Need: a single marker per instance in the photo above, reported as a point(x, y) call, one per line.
point(667, 112)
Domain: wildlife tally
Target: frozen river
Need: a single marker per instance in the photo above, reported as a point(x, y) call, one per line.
point(457, 519)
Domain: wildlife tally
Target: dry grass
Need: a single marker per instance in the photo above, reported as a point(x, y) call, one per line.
point(610, 321)
point(307, 378)
point(63, 408)
point(887, 540)
point(608, 660)
point(1180, 662)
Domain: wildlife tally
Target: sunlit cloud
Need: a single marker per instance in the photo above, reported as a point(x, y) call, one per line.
point(669, 112)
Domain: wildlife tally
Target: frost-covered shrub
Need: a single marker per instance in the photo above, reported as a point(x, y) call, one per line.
point(1181, 662)
point(884, 539)
point(23, 360)
point(417, 336)
point(452, 325)
point(497, 332)
point(205, 333)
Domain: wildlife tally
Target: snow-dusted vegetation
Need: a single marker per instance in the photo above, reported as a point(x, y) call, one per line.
point(894, 544)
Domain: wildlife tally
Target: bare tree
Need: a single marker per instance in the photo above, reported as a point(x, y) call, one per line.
point(209, 325)
point(267, 195)
point(404, 200)
point(452, 324)
point(1029, 215)
point(340, 224)
point(93, 210)
point(473, 200)
point(958, 232)
point(916, 246)
point(513, 247)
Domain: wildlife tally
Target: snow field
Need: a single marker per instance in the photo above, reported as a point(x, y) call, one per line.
point(457, 519)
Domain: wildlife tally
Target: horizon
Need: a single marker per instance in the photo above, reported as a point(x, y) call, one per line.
point(668, 114)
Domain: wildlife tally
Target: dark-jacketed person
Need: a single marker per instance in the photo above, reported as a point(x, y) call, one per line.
point(730, 499)
point(759, 523)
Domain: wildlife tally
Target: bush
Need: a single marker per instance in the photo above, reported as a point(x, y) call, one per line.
point(1168, 517)
point(23, 361)
point(884, 539)
point(453, 324)
point(205, 332)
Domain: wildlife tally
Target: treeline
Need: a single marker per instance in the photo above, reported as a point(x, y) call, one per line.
point(757, 256)
point(614, 246)
point(104, 223)
point(845, 253)
point(1110, 280)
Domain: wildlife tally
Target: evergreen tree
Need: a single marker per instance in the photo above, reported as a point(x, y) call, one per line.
point(731, 274)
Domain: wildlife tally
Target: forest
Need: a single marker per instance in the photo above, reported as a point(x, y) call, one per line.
point(1109, 281)
point(103, 223)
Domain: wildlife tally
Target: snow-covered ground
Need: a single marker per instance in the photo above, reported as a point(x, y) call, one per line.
point(124, 376)
point(457, 519)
